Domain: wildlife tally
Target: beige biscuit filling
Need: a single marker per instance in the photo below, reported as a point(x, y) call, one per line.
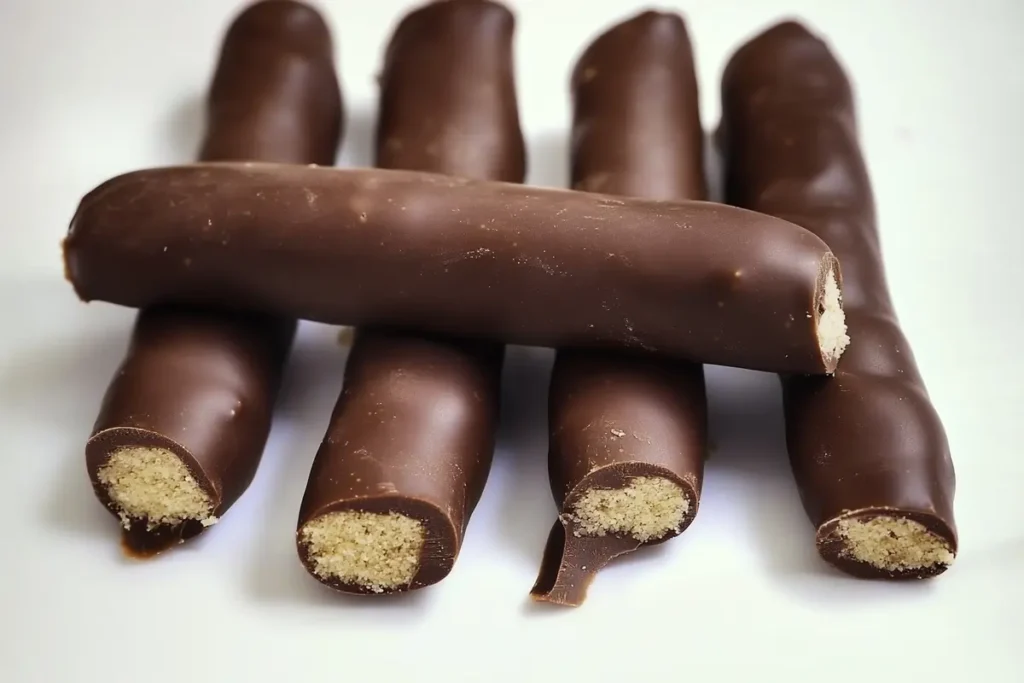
point(153, 484)
point(892, 543)
point(373, 550)
point(646, 509)
point(832, 336)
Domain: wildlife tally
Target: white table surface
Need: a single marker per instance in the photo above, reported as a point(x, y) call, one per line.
point(92, 89)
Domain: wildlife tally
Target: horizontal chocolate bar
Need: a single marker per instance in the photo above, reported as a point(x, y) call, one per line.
point(628, 432)
point(182, 426)
point(516, 264)
point(868, 450)
point(409, 446)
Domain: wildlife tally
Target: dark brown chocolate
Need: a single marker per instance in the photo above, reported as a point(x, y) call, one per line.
point(392, 454)
point(275, 95)
point(184, 421)
point(636, 121)
point(413, 431)
point(567, 570)
point(631, 428)
point(627, 447)
point(700, 281)
point(199, 385)
point(448, 95)
point(868, 450)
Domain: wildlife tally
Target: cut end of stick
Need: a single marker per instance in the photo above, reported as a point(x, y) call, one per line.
point(646, 508)
point(885, 544)
point(374, 551)
point(832, 331)
point(153, 488)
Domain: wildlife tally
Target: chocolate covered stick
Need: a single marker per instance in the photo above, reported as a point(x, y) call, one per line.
point(867, 448)
point(448, 99)
point(409, 445)
point(275, 96)
point(627, 432)
point(184, 422)
point(516, 264)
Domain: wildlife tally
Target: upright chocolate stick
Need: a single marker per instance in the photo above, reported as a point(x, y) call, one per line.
point(183, 423)
point(868, 450)
point(627, 432)
point(409, 445)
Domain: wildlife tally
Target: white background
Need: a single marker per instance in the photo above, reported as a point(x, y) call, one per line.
point(92, 89)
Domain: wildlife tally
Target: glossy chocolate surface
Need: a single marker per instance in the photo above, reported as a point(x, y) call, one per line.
point(867, 442)
point(617, 416)
point(448, 94)
point(202, 382)
point(636, 119)
point(413, 431)
point(696, 280)
point(275, 95)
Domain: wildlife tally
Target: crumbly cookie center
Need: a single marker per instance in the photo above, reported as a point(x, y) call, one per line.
point(892, 543)
point(153, 486)
point(647, 508)
point(378, 551)
point(832, 332)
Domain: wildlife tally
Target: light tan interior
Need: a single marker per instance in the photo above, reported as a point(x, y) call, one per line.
point(892, 543)
point(152, 485)
point(374, 550)
point(832, 333)
point(647, 508)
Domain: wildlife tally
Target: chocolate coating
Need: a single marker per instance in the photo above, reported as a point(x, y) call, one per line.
point(199, 382)
point(453, 256)
point(570, 564)
point(414, 429)
point(614, 417)
point(636, 121)
point(868, 442)
point(448, 96)
point(412, 433)
point(275, 95)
